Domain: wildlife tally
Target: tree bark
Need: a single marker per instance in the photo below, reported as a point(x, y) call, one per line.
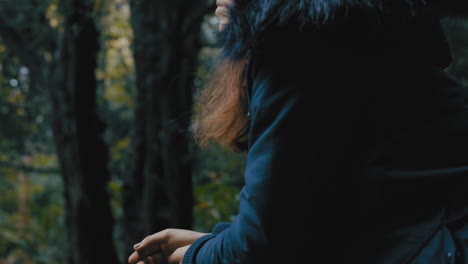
point(70, 79)
point(82, 153)
point(158, 189)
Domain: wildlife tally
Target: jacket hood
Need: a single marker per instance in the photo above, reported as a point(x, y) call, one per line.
point(250, 19)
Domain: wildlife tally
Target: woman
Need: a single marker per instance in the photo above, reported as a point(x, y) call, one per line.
point(356, 137)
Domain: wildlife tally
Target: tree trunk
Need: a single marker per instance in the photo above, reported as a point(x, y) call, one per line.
point(158, 189)
point(82, 153)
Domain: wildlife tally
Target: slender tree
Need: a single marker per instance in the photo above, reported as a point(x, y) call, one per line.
point(158, 188)
point(82, 152)
point(63, 62)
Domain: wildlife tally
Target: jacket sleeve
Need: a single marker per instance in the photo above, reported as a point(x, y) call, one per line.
point(280, 147)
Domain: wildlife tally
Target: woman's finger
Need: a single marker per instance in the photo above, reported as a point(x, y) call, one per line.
point(153, 259)
point(141, 253)
point(221, 12)
point(134, 257)
point(223, 2)
point(153, 242)
point(150, 245)
point(222, 24)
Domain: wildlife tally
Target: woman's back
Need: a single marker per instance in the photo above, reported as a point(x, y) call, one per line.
point(370, 134)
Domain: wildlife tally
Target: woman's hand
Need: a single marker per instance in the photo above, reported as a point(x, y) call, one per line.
point(167, 246)
point(222, 13)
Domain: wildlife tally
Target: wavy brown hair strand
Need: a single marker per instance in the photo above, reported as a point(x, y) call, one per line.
point(221, 108)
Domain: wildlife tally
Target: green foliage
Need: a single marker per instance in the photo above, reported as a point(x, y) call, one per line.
point(31, 218)
point(216, 202)
point(116, 94)
point(218, 180)
point(31, 204)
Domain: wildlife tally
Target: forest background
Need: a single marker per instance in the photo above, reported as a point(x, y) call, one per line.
point(95, 96)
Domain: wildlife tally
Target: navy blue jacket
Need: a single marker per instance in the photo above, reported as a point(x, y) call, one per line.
point(358, 143)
